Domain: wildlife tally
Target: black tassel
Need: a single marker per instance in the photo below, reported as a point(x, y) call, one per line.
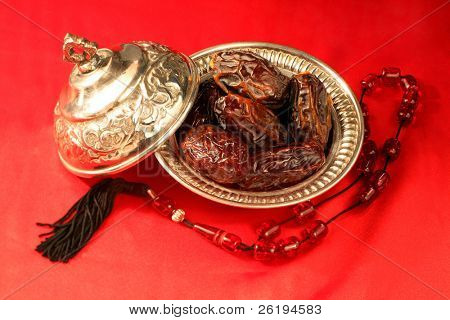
point(73, 231)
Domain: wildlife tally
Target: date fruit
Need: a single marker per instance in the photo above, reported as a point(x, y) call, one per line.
point(283, 166)
point(310, 109)
point(252, 120)
point(202, 110)
point(250, 75)
point(216, 153)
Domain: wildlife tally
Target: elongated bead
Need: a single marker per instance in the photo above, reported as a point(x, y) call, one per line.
point(368, 194)
point(220, 238)
point(165, 206)
point(391, 148)
point(303, 211)
point(288, 247)
point(268, 230)
point(380, 180)
point(390, 76)
point(315, 232)
point(370, 82)
point(264, 251)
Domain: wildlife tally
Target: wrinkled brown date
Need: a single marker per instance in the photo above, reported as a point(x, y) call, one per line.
point(256, 123)
point(310, 109)
point(216, 153)
point(283, 166)
point(250, 75)
point(202, 110)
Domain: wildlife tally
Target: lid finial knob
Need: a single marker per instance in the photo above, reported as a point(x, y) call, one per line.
point(80, 51)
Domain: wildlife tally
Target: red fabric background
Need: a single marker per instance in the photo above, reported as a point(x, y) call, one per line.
point(397, 248)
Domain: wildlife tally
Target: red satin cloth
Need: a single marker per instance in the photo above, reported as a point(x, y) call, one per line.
point(396, 248)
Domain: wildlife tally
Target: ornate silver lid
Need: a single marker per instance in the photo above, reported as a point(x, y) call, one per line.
point(121, 104)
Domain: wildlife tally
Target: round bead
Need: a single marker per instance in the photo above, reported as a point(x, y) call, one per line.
point(405, 114)
point(390, 76)
point(365, 166)
point(369, 150)
point(407, 82)
point(411, 97)
point(165, 206)
point(391, 148)
point(268, 230)
point(289, 247)
point(178, 215)
point(264, 251)
point(303, 211)
point(380, 180)
point(317, 231)
point(368, 194)
point(370, 82)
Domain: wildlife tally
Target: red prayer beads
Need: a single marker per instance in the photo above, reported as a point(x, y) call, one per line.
point(380, 180)
point(390, 76)
point(317, 231)
point(268, 230)
point(407, 82)
point(369, 150)
point(368, 195)
point(265, 249)
point(370, 82)
point(410, 98)
point(405, 114)
point(391, 148)
point(365, 166)
point(303, 211)
point(288, 247)
point(163, 205)
point(220, 238)
point(367, 159)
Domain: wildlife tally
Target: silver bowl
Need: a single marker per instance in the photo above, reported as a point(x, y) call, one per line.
point(348, 131)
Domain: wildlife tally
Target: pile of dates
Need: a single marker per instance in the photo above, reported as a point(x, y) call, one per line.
point(253, 128)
